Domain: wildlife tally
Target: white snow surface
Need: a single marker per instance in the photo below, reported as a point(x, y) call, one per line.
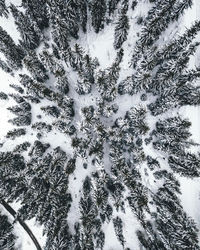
point(101, 46)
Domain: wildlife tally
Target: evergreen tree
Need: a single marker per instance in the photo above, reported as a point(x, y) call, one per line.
point(112, 5)
point(35, 67)
point(13, 53)
point(37, 12)
point(98, 11)
point(15, 133)
point(3, 96)
point(4, 66)
point(121, 30)
point(7, 236)
point(120, 155)
point(62, 84)
point(186, 164)
point(119, 229)
point(12, 166)
point(29, 31)
point(51, 110)
point(22, 147)
point(172, 135)
point(46, 196)
point(3, 9)
point(54, 66)
point(83, 9)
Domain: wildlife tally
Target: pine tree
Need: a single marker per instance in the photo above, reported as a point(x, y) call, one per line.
point(186, 164)
point(83, 9)
point(54, 66)
point(4, 66)
point(35, 67)
point(37, 12)
point(121, 30)
point(15, 133)
point(29, 31)
point(3, 9)
point(13, 53)
point(12, 166)
point(119, 229)
point(51, 110)
point(7, 236)
point(46, 196)
point(3, 96)
point(98, 11)
point(112, 5)
point(172, 135)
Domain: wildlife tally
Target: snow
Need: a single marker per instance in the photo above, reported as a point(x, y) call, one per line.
point(101, 46)
point(24, 242)
point(191, 187)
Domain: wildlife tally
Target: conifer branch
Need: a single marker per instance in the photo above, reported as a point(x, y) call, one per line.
point(21, 222)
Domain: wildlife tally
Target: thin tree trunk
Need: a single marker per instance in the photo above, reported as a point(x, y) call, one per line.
point(21, 222)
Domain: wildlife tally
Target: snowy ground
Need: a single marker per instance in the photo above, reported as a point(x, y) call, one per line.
point(191, 188)
point(101, 46)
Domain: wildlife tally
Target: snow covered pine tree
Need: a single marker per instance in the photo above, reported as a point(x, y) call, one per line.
point(96, 146)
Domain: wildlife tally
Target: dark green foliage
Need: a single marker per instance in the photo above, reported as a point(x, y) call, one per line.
point(159, 17)
point(121, 30)
point(112, 5)
point(22, 147)
point(59, 32)
point(3, 9)
point(35, 67)
point(64, 17)
point(7, 237)
point(4, 66)
point(186, 164)
point(173, 228)
point(51, 110)
point(107, 81)
point(18, 98)
point(3, 96)
point(134, 4)
point(29, 31)
point(21, 120)
point(152, 163)
point(38, 149)
point(46, 196)
point(13, 53)
point(178, 223)
point(117, 222)
point(83, 6)
point(107, 110)
point(41, 91)
point(64, 127)
point(17, 88)
point(98, 11)
point(72, 18)
point(11, 168)
point(83, 87)
point(135, 118)
point(62, 85)
point(123, 156)
point(22, 111)
point(172, 135)
point(54, 65)
point(37, 12)
point(13, 134)
point(100, 241)
point(192, 93)
point(42, 126)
